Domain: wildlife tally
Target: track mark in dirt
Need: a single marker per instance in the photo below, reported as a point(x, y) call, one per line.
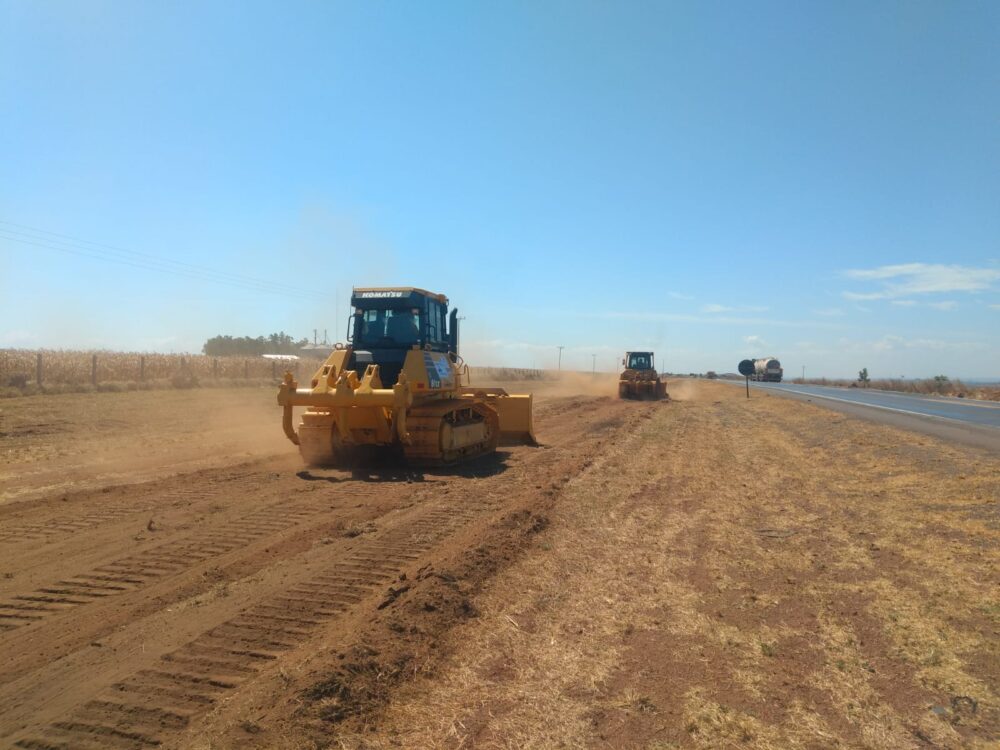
point(132, 572)
point(43, 530)
point(61, 525)
point(55, 516)
point(143, 709)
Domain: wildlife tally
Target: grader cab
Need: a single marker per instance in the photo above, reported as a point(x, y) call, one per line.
point(639, 379)
point(399, 383)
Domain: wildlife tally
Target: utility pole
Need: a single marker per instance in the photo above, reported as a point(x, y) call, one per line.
point(803, 373)
point(560, 348)
point(593, 368)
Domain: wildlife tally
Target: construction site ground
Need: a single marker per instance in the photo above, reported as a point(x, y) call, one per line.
point(707, 572)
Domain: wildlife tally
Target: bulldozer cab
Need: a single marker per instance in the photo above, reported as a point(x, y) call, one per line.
point(638, 361)
point(387, 323)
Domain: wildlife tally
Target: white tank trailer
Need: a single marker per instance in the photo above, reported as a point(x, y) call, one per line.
point(767, 369)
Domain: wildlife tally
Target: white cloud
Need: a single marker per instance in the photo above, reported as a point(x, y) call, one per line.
point(994, 307)
point(903, 302)
point(678, 295)
point(907, 279)
point(754, 341)
point(713, 309)
point(688, 318)
point(946, 305)
point(830, 312)
point(894, 343)
point(888, 343)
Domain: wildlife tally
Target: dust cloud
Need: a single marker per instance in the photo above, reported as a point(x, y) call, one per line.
point(68, 442)
point(556, 384)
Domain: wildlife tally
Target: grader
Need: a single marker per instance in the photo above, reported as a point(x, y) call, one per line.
point(410, 393)
point(640, 379)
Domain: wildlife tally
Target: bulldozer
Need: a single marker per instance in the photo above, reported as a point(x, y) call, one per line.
point(400, 384)
point(640, 379)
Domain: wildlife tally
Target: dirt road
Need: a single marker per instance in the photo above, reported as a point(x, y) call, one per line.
point(706, 573)
point(131, 612)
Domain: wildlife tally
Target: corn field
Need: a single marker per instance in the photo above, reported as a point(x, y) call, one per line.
point(21, 367)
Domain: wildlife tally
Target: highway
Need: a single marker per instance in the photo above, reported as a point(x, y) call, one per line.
point(955, 420)
point(983, 413)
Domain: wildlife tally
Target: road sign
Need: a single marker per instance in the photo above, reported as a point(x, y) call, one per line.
point(746, 369)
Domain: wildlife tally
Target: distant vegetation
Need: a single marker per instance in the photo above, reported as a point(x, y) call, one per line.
point(246, 346)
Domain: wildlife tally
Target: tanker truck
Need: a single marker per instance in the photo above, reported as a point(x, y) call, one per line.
point(767, 370)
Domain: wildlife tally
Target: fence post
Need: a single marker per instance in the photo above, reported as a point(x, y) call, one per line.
point(142, 368)
point(38, 368)
point(274, 369)
point(93, 369)
point(183, 365)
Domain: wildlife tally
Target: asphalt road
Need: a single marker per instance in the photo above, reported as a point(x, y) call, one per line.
point(975, 423)
point(956, 409)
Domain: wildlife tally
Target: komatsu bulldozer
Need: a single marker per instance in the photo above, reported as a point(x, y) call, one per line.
point(640, 379)
point(398, 383)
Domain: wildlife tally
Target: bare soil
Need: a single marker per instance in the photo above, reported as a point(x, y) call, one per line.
point(706, 572)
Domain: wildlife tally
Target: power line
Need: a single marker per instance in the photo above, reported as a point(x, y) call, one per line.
point(135, 259)
point(65, 239)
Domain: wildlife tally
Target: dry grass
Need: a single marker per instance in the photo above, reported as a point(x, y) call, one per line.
point(759, 574)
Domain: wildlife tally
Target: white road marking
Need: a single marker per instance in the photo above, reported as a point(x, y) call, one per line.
point(877, 406)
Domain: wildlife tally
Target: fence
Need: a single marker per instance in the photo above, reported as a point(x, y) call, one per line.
point(21, 367)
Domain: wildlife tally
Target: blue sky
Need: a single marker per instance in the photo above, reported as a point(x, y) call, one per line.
point(814, 181)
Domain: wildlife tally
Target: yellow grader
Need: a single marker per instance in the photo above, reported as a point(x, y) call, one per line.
point(409, 394)
point(640, 379)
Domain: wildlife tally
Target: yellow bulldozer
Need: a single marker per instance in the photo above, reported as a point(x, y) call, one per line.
point(398, 383)
point(640, 379)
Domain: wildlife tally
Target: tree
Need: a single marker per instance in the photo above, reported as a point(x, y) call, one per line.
point(246, 346)
point(942, 383)
point(863, 377)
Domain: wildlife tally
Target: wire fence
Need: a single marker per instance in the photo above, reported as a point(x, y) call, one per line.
point(38, 368)
point(20, 368)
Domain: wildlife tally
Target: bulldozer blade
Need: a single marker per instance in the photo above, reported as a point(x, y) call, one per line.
point(516, 426)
